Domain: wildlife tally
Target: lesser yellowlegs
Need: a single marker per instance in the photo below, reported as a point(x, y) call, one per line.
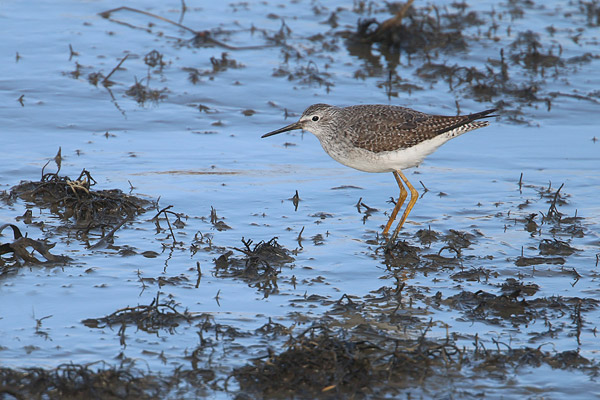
point(383, 138)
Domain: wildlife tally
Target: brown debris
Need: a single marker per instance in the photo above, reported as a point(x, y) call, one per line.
point(148, 318)
point(512, 287)
point(258, 268)
point(366, 363)
point(217, 222)
point(201, 38)
point(427, 236)
point(511, 306)
point(523, 261)
point(401, 254)
point(556, 247)
point(71, 381)
point(19, 247)
point(143, 93)
point(75, 199)
point(313, 365)
point(417, 29)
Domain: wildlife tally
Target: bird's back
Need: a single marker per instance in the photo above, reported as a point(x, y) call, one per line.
point(379, 128)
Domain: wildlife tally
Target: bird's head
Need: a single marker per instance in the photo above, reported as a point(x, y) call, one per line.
point(315, 119)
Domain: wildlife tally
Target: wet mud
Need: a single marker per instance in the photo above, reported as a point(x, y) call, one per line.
point(455, 312)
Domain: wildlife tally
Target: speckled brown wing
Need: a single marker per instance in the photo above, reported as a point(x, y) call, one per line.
point(387, 128)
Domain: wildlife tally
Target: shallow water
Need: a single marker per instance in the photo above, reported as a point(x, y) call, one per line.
point(195, 160)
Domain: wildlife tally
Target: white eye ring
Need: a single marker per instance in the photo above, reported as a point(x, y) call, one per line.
point(315, 118)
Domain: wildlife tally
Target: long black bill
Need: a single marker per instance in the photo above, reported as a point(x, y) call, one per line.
point(290, 127)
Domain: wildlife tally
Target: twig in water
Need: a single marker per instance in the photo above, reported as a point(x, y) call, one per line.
point(165, 211)
point(205, 36)
point(110, 234)
point(105, 80)
point(106, 14)
point(521, 183)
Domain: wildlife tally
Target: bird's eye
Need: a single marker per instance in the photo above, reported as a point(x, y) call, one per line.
point(315, 118)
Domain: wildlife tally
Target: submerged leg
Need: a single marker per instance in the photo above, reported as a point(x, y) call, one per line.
point(403, 194)
point(414, 195)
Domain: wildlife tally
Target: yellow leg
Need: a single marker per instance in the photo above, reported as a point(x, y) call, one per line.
point(414, 195)
point(403, 194)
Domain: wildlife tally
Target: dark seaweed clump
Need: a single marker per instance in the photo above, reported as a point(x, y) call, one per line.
point(76, 200)
point(318, 363)
point(259, 267)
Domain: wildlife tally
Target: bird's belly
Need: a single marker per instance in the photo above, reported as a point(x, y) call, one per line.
point(385, 161)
